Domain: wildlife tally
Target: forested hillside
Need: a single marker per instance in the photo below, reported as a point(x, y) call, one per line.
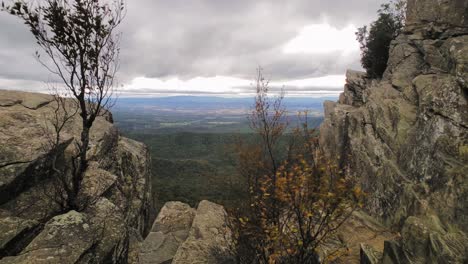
point(192, 142)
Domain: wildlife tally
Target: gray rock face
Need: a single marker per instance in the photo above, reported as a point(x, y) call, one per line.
point(183, 235)
point(405, 137)
point(118, 181)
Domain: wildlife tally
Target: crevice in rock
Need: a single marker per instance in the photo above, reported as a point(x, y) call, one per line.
point(41, 248)
point(345, 151)
point(87, 253)
point(112, 257)
point(20, 183)
point(37, 171)
point(10, 103)
point(464, 89)
point(437, 113)
point(425, 65)
point(21, 241)
point(42, 104)
point(14, 163)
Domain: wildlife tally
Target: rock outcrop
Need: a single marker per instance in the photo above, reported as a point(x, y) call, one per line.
point(405, 137)
point(33, 229)
point(183, 235)
point(169, 231)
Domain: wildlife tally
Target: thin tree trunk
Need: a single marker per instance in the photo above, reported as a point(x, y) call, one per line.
point(83, 164)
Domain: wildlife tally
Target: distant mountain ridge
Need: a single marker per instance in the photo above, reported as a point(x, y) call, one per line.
point(213, 102)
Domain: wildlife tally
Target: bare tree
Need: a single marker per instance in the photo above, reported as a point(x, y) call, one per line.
point(268, 120)
point(60, 116)
point(80, 40)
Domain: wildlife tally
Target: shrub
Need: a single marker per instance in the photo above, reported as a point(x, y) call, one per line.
point(297, 199)
point(375, 42)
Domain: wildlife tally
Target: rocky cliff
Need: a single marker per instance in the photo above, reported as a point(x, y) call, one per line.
point(33, 229)
point(404, 138)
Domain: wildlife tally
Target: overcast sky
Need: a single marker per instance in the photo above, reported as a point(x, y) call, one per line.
point(213, 47)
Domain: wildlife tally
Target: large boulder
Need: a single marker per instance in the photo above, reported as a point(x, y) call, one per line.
point(74, 237)
point(65, 239)
point(209, 240)
point(183, 235)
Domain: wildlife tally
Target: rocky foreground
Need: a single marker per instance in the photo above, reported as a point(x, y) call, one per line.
point(185, 235)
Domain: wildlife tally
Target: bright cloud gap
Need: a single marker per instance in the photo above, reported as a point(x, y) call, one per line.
point(231, 86)
point(330, 85)
point(323, 38)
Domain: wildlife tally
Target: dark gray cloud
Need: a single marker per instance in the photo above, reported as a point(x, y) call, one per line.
point(186, 39)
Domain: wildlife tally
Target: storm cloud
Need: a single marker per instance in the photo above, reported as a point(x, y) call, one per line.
point(183, 39)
